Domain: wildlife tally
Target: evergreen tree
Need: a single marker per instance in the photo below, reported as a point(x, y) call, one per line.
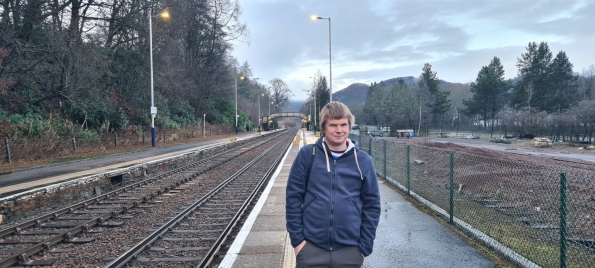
point(373, 105)
point(563, 90)
point(547, 84)
point(489, 92)
point(429, 79)
point(533, 68)
point(322, 92)
point(439, 102)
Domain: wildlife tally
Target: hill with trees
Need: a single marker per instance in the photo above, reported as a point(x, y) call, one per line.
point(69, 71)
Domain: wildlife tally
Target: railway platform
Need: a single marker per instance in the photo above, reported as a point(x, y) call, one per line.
point(406, 236)
point(23, 180)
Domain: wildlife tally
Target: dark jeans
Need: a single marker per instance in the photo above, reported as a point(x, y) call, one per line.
point(312, 256)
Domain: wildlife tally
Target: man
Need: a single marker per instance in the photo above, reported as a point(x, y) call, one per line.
point(332, 214)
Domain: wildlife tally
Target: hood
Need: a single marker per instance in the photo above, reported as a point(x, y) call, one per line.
point(352, 145)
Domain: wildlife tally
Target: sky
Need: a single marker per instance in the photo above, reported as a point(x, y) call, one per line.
point(377, 40)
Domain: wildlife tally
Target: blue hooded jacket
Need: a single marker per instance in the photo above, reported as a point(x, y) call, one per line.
point(341, 206)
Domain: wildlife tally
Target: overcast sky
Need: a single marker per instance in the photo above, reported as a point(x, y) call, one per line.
point(381, 39)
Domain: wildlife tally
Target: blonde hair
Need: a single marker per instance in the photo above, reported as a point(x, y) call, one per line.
point(335, 110)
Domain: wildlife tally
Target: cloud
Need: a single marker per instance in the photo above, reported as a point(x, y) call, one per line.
point(382, 39)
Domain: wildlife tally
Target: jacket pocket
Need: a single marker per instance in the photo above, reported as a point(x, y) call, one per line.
point(359, 210)
point(304, 206)
point(347, 222)
point(315, 217)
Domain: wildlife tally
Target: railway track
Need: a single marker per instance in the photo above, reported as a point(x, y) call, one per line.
point(62, 236)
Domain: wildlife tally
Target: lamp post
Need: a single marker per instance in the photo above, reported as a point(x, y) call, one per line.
point(235, 79)
point(330, 68)
point(259, 115)
point(163, 14)
point(270, 108)
point(257, 86)
point(314, 83)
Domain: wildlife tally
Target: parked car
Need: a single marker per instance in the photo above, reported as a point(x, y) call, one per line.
point(375, 131)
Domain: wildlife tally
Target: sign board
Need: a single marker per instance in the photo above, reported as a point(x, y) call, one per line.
point(153, 111)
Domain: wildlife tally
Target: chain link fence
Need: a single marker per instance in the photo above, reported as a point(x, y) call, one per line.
point(536, 215)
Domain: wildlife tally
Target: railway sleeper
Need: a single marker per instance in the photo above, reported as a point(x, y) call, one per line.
point(69, 238)
point(25, 261)
point(47, 247)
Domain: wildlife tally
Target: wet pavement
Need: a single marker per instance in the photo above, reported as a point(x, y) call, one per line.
point(407, 237)
point(32, 174)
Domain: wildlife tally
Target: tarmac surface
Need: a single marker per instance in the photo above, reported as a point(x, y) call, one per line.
point(32, 174)
point(406, 236)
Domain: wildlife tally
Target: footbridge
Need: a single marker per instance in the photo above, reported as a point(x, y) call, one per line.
point(267, 120)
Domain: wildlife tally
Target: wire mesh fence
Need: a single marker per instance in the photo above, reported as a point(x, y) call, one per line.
point(537, 215)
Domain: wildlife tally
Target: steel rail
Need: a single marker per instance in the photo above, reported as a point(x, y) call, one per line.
point(106, 196)
point(126, 257)
point(47, 243)
point(208, 258)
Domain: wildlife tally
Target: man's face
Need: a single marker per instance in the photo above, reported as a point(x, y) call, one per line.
point(336, 131)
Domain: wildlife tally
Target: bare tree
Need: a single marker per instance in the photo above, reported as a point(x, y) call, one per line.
point(280, 92)
point(587, 83)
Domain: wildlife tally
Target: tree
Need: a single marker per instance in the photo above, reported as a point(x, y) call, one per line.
point(374, 103)
point(547, 84)
point(587, 83)
point(88, 60)
point(280, 92)
point(489, 92)
point(322, 92)
point(533, 68)
point(562, 89)
point(438, 100)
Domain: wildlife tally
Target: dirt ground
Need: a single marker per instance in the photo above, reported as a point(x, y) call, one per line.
point(562, 154)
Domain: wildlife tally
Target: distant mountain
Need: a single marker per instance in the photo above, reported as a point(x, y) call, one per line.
point(294, 106)
point(357, 92)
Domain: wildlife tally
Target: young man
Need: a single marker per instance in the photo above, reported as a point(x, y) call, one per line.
point(332, 215)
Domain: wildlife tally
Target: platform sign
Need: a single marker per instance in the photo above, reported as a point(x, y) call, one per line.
point(153, 111)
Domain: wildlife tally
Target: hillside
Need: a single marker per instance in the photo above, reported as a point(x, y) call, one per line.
point(356, 93)
point(293, 106)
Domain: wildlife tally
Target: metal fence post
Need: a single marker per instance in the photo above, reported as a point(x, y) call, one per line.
point(143, 137)
point(116, 140)
point(7, 150)
point(74, 144)
point(562, 220)
point(385, 175)
point(360, 140)
point(370, 148)
point(408, 169)
point(452, 186)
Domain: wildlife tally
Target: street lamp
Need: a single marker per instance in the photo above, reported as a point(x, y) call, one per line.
point(270, 108)
point(235, 79)
point(314, 17)
point(164, 14)
point(314, 84)
point(259, 115)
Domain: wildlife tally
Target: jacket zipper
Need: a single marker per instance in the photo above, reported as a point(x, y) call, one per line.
point(332, 202)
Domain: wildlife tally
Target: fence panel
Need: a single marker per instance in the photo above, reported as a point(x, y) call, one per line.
point(517, 204)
